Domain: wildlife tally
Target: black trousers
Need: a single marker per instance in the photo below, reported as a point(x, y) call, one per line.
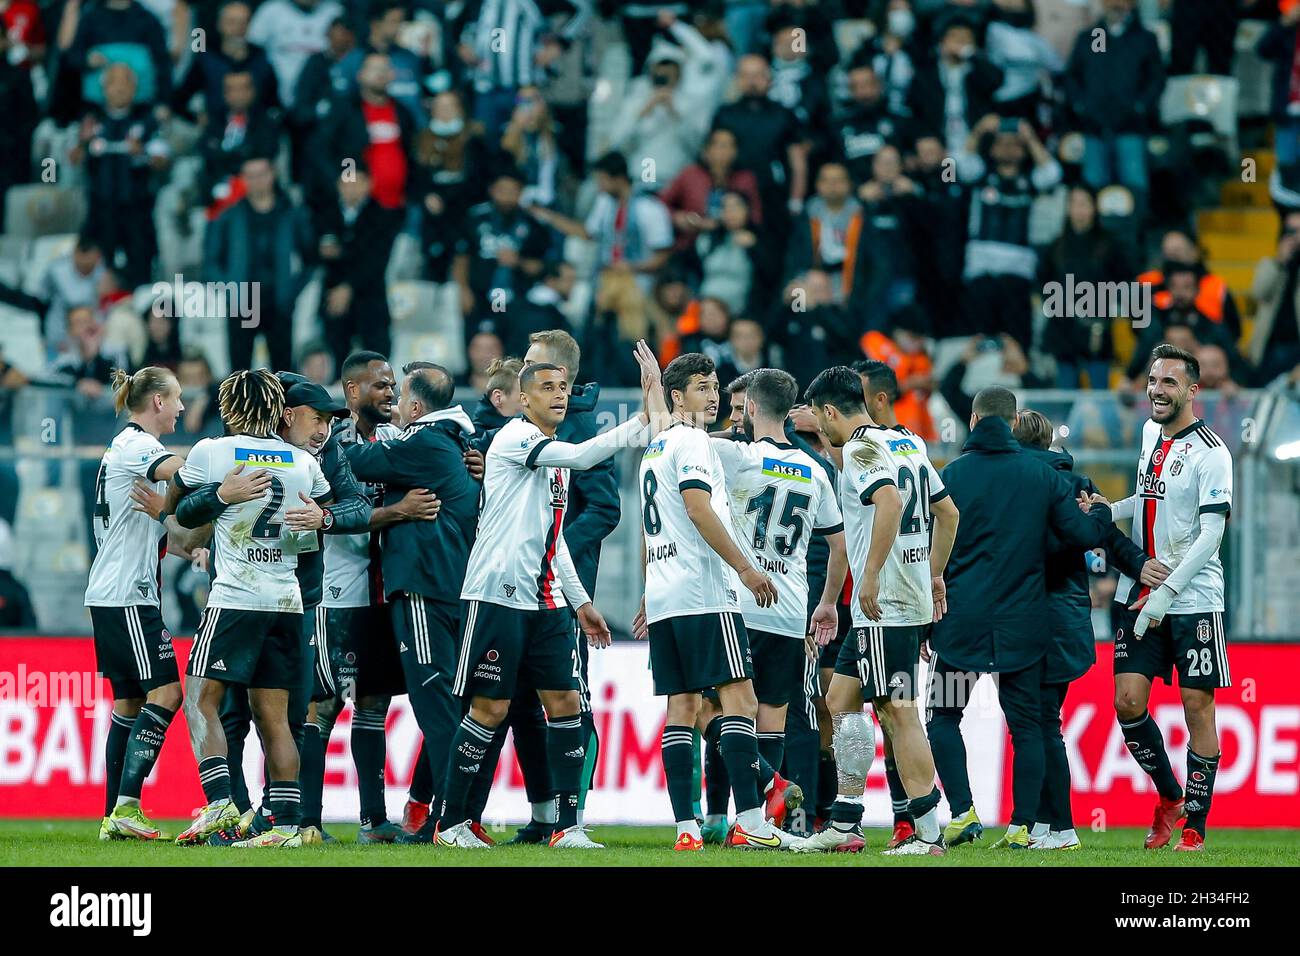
point(276, 326)
point(366, 324)
point(1054, 804)
point(427, 633)
point(1001, 303)
point(1202, 24)
point(125, 228)
point(1020, 696)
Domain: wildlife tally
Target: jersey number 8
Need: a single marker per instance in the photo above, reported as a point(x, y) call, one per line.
point(650, 513)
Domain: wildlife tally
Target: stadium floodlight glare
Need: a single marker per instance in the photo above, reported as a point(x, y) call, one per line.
point(1287, 451)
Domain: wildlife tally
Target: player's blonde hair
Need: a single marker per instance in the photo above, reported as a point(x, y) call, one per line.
point(251, 402)
point(132, 391)
point(503, 374)
point(561, 349)
point(1033, 428)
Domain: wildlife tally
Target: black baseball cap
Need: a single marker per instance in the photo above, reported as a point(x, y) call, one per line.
point(314, 396)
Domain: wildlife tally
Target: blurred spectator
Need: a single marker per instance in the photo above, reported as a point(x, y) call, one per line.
point(88, 365)
point(542, 307)
point(384, 20)
point(75, 278)
point(162, 343)
point(640, 22)
point(322, 82)
point(941, 237)
point(356, 240)
point(482, 350)
point(368, 127)
point(694, 199)
point(244, 129)
point(530, 141)
point(1275, 342)
point(1213, 297)
point(1181, 308)
point(24, 44)
point(290, 31)
point(1086, 252)
point(1279, 44)
point(986, 360)
point(708, 59)
point(261, 243)
point(632, 232)
point(866, 126)
point(16, 610)
point(893, 212)
point(657, 125)
point(746, 350)
point(125, 32)
point(712, 332)
point(1024, 56)
point(500, 251)
point(889, 53)
point(950, 93)
point(772, 142)
point(199, 395)
point(1209, 25)
point(21, 116)
point(812, 328)
point(903, 350)
point(121, 146)
point(828, 234)
point(508, 45)
point(1001, 265)
point(744, 22)
point(233, 54)
point(317, 363)
point(1216, 371)
point(449, 157)
point(730, 256)
point(796, 83)
point(1114, 95)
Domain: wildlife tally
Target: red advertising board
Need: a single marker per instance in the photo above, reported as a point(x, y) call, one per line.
point(54, 715)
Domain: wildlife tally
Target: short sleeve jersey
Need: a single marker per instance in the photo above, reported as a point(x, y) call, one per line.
point(1179, 479)
point(254, 554)
point(520, 522)
point(874, 457)
point(129, 545)
point(779, 499)
point(352, 560)
point(683, 575)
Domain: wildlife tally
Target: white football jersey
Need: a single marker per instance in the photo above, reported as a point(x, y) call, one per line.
point(683, 575)
point(520, 558)
point(779, 499)
point(1178, 480)
point(254, 555)
point(352, 560)
point(129, 545)
point(873, 457)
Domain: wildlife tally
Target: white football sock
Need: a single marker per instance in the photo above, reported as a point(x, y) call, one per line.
point(688, 826)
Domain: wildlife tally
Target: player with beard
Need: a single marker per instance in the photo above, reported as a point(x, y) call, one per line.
point(1180, 511)
point(691, 608)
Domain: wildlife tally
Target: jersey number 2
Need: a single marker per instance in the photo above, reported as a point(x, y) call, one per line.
point(264, 527)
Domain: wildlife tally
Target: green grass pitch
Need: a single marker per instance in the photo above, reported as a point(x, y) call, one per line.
point(76, 843)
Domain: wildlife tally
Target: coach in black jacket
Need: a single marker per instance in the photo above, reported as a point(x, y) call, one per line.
point(998, 605)
point(424, 562)
point(1073, 649)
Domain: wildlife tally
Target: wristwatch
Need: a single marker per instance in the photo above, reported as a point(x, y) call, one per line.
point(327, 520)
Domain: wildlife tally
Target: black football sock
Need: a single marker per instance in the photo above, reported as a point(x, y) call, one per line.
point(566, 751)
point(422, 778)
point(771, 748)
point(1147, 745)
point(897, 793)
point(469, 747)
point(236, 719)
point(1200, 789)
point(739, 745)
point(369, 753)
point(214, 775)
point(481, 788)
point(717, 783)
point(846, 813)
point(146, 741)
point(678, 750)
point(284, 799)
point(801, 758)
point(311, 772)
point(827, 784)
point(119, 732)
point(921, 812)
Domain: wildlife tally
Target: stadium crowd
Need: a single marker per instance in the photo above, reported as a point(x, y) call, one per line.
point(789, 183)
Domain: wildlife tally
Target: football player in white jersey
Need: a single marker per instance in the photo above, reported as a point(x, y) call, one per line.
point(780, 498)
point(519, 586)
point(133, 648)
point(250, 632)
point(1180, 510)
point(691, 610)
point(888, 492)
